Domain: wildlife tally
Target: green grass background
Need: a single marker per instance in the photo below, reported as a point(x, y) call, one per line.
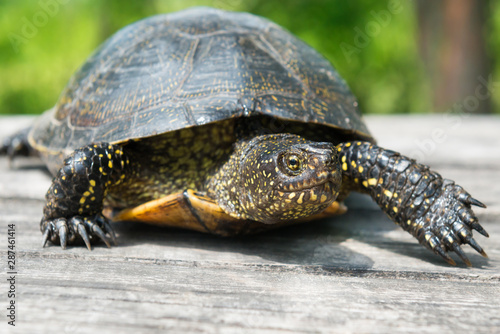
point(387, 75)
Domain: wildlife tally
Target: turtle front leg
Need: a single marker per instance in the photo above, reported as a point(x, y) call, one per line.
point(75, 198)
point(434, 210)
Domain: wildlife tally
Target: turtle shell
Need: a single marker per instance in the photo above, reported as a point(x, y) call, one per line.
point(194, 67)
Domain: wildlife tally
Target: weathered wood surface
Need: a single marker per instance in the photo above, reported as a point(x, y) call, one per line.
point(358, 273)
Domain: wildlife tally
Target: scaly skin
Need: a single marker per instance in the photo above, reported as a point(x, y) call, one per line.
point(434, 210)
point(75, 198)
point(17, 145)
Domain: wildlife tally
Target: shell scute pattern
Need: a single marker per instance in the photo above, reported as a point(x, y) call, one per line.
point(170, 72)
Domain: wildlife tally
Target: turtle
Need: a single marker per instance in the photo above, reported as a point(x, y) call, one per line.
point(223, 122)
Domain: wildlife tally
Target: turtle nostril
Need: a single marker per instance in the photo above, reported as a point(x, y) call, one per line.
point(328, 160)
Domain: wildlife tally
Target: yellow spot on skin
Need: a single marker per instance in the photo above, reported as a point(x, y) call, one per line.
point(365, 184)
point(360, 169)
point(408, 222)
point(427, 237)
point(388, 193)
point(353, 164)
point(344, 158)
point(82, 200)
point(281, 193)
point(64, 178)
point(348, 144)
point(92, 198)
point(300, 198)
point(313, 196)
point(55, 191)
point(344, 166)
point(372, 181)
point(110, 164)
point(92, 183)
point(395, 209)
point(292, 195)
point(86, 194)
point(323, 198)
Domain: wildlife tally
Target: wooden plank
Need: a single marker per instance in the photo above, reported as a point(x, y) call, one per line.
point(356, 273)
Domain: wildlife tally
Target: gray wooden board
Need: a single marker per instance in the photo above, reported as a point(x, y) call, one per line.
point(358, 273)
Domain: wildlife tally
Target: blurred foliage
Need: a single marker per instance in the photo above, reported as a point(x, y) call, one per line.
point(385, 73)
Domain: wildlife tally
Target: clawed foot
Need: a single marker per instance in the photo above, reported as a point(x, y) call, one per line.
point(449, 223)
point(17, 145)
point(89, 229)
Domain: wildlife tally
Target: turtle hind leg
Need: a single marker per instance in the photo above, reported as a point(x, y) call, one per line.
point(17, 145)
point(434, 210)
point(74, 201)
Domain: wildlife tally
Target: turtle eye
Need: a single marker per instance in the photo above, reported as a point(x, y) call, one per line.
point(293, 162)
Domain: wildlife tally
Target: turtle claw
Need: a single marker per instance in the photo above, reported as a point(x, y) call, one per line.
point(440, 251)
point(108, 229)
point(470, 241)
point(88, 229)
point(476, 226)
point(457, 249)
point(96, 230)
point(83, 233)
point(62, 231)
point(46, 235)
point(449, 222)
point(473, 201)
point(81, 230)
point(16, 145)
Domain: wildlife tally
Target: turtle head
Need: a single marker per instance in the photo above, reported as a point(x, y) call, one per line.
point(283, 177)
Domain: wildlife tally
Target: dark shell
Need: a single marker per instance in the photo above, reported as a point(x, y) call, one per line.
point(197, 66)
